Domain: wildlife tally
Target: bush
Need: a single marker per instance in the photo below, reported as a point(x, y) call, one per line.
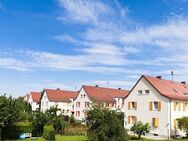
point(48, 132)
point(24, 127)
point(13, 132)
point(72, 120)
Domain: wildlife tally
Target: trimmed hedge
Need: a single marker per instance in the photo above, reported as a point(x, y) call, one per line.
point(48, 132)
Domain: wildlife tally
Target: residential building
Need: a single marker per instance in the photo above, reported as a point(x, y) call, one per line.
point(33, 99)
point(106, 97)
point(158, 102)
point(63, 99)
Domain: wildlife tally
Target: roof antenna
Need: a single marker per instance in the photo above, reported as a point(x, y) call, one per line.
point(108, 83)
point(75, 88)
point(172, 74)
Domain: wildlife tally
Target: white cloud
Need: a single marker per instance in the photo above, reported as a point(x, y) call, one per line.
point(83, 11)
point(66, 38)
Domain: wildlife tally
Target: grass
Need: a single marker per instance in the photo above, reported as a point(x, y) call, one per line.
point(71, 138)
point(84, 138)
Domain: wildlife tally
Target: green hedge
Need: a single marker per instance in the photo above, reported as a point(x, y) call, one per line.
point(48, 132)
point(14, 131)
point(24, 127)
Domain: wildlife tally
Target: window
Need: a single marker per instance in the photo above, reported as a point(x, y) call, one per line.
point(84, 95)
point(87, 104)
point(63, 111)
point(77, 104)
point(177, 106)
point(132, 105)
point(155, 106)
point(139, 91)
point(81, 95)
point(132, 119)
point(146, 91)
point(77, 113)
point(155, 122)
point(107, 104)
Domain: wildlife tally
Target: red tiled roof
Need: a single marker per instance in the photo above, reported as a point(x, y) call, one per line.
point(36, 96)
point(169, 89)
point(104, 94)
point(60, 95)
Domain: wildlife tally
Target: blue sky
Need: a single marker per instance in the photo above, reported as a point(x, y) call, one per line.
point(67, 43)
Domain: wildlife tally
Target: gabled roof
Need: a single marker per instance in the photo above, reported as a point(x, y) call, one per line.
point(104, 94)
point(60, 95)
point(35, 96)
point(169, 89)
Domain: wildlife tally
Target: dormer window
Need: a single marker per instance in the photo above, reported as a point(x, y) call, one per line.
point(139, 91)
point(146, 91)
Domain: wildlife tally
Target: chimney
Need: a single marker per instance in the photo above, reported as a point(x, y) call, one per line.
point(119, 88)
point(58, 89)
point(159, 77)
point(96, 85)
point(183, 82)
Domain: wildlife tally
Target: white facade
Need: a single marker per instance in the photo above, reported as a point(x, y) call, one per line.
point(81, 104)
point(34, 105)
point(66, 107)
point(161, 114)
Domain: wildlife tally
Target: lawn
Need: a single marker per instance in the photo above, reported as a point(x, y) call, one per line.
point(71, 138)
point(84, 138)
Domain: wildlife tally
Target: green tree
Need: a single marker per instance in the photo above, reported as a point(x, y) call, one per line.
point(39, 120)
point(9, 114)
point(104, 125)
point(183, 124)
point(140, 128)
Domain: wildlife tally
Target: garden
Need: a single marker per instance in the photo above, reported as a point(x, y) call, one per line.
point(101, 124)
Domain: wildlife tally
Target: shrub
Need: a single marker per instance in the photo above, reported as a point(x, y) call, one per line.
point(24, 127)
point(183, 125)
point(48, 132)
point(72, 120)
point(140, 129)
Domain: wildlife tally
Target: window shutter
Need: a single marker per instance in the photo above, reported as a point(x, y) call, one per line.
point(174, 106)
point(129, 105)
point(136, 105)
point(179, 106)
point(129, 118)
point(155, 122)
point(159, 104)
point(135, 119)
point(175, 125)
point(150, 106)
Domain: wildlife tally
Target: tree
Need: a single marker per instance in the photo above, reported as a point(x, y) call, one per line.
point(140, 128)
point(183, 124)
point(9, 114)
point(104, 125)
point(39, 120)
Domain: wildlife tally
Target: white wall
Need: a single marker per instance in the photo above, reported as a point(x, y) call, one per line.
point(82, 98)
point(178, 114)
point(34, 105)
point(143, 113)
point(65, 107)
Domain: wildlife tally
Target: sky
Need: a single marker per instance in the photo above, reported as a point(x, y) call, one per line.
point(67, 43)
